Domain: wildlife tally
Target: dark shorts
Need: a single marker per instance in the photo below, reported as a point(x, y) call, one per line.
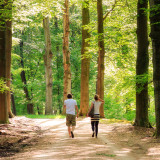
point(70, 120)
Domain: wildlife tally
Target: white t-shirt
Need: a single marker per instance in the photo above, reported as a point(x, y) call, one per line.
point(97, 106)
point(70, 106)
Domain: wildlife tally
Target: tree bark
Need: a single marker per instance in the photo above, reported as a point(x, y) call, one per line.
point(155, 36)
point(30, 106)
point(8, 57)
point(48, 67)
point(66, 53)
point(142, 64)
point(101, 54)
point(85, 62)
point(3, 60)
point(59, 56)
point(13, 104)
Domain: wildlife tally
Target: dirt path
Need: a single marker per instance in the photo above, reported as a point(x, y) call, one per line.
point(55, 144)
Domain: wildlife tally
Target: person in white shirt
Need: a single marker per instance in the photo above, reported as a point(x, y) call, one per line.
point(95, 120)
point(71, 109)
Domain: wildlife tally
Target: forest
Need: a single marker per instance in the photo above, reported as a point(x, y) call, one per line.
point(85, 47)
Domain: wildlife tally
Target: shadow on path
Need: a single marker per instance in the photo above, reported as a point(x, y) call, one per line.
point(55, 144)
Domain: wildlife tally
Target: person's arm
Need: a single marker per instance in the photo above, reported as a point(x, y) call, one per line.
point(90, 108)
point(101, 100)
point(64, 106)
point(76, 110)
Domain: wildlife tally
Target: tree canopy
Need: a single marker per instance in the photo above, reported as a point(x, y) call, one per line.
point(119, 34)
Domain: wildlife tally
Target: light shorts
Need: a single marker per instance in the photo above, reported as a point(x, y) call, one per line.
point(70, 120)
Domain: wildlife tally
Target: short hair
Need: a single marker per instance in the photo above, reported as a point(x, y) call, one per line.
point(69, 96)
point(96, 97)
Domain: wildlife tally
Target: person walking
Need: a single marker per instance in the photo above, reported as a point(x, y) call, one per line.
point(95, 120)
point(71, 109)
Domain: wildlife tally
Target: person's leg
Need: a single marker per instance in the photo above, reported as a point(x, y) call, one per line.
point(73, 125)
point(73, 128)
point(69, 131)
point(92, 125)
point(68, 123)
point(96, 127)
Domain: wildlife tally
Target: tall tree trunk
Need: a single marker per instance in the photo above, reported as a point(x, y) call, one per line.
point(85, 62)
point(66, 53)
point(30, 107)
point(48, 67)
point(3, 60)
point(39, 110)
point(59, 56)
point(142, 66)
point(101, 54)
point(12, 99)
point(155, 36)
point(8, 57)
point(13, 104)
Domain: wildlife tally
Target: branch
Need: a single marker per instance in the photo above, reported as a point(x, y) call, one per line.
point(114, 5)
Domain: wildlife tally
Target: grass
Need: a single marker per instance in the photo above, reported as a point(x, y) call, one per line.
point(45, 116)
point(107, 155)
point(109, 121)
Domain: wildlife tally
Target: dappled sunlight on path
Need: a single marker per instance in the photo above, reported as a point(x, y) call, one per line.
point(56, 144)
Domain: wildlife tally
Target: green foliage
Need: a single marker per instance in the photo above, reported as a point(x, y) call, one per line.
point(118, 110)
point(141, 80)
point(120, 59)
point(3, 86)
point(46, 116)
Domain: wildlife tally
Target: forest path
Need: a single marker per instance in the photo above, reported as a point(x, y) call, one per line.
point(55, 144)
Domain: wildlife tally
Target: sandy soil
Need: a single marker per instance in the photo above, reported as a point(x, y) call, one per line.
point(41, 139)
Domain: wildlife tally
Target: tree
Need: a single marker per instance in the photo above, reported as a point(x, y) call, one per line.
point(48, 66)
point(101, 54)
point(3, 62)
point(13, 104)
point(155, 36)
point(24, 80)
point(8, 56)
point(66, 52)
point(85, 63)
point(142, 65)
point(33, 50)
point(59, 62)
